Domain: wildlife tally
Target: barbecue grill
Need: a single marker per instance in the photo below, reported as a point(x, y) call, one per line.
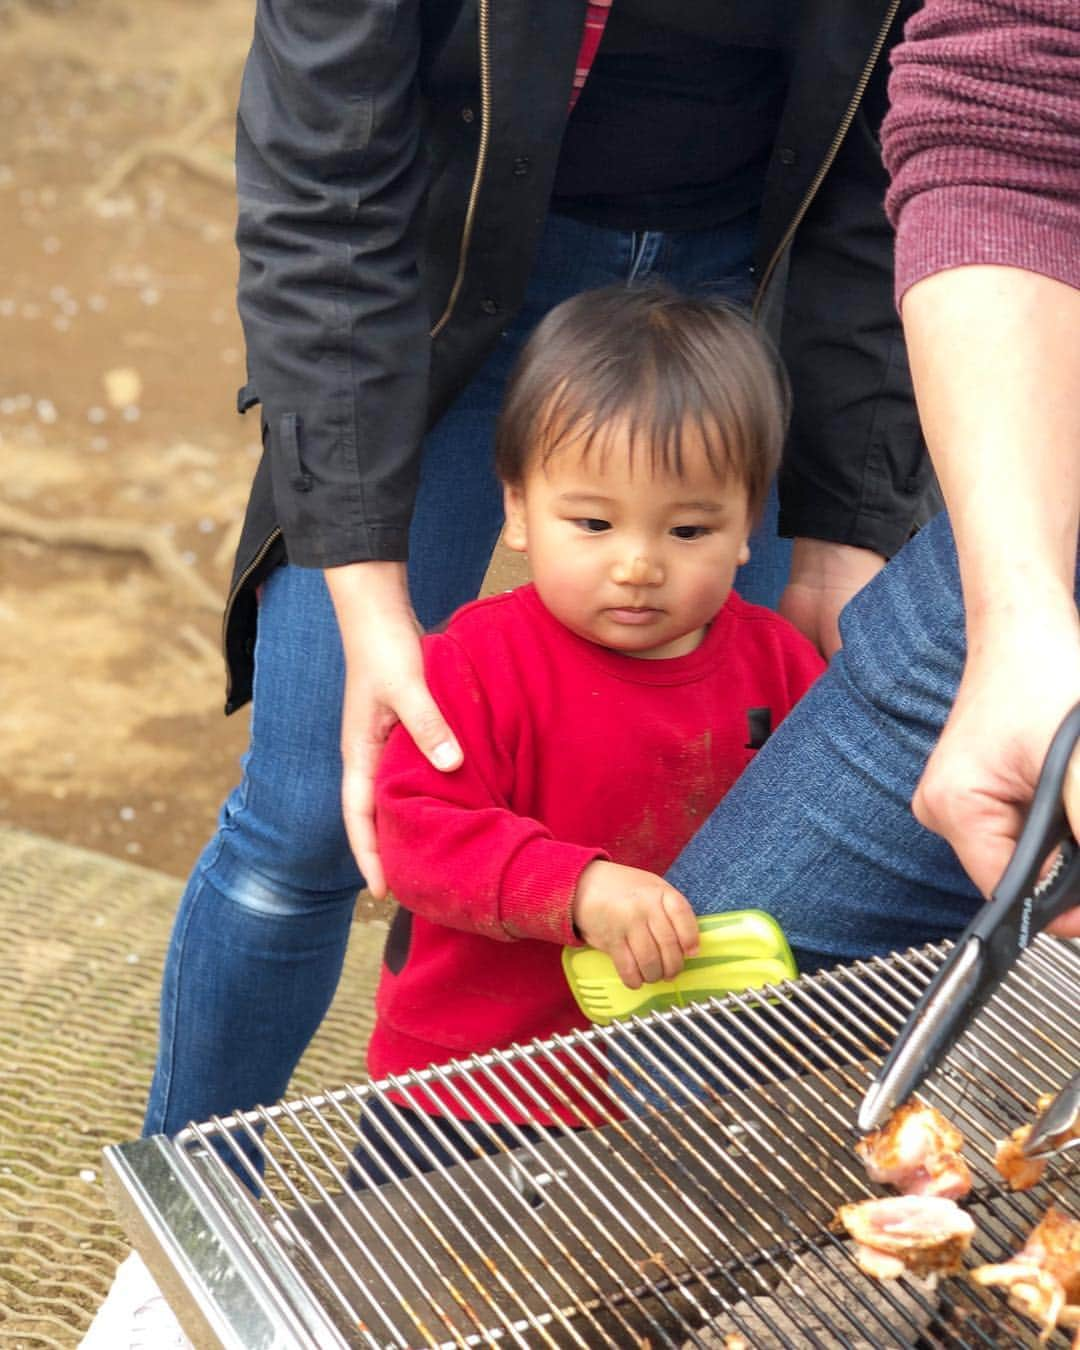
point(699, 1212)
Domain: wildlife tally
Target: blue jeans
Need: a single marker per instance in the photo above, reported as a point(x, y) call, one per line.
point(819, 829)
point(260, 935)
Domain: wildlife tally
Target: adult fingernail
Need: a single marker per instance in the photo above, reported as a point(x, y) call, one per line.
point(444, 756)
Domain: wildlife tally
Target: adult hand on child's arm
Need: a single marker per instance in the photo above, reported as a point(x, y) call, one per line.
point(823, 578)
point(384, 684)
point(645, 926)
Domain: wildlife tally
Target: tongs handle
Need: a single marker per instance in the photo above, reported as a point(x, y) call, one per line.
point(1046, 826)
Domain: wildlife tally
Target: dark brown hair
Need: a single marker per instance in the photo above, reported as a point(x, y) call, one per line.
point(660, 361)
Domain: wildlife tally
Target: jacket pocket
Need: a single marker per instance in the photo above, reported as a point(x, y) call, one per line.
point(289, 439)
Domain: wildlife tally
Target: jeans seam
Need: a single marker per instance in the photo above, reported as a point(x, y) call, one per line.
point(179, 943)
point(638, 246)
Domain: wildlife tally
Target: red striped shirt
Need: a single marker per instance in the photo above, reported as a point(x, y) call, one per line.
point(596, 16)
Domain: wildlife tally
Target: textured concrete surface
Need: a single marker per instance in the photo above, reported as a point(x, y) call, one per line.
point(83, 941)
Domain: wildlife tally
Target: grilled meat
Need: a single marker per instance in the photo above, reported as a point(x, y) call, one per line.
point(918, 1152)
point(907, 1235)
point(1043, 1280)
point(1022, 1173)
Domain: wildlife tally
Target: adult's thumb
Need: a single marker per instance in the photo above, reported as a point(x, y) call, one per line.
point(428, 728)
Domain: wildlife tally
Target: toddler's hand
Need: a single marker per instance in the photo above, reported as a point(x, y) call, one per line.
point(645, 926)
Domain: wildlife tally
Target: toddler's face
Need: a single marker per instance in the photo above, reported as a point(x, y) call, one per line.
point(634, 559)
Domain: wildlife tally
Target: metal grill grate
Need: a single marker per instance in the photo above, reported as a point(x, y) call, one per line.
point(704, 1198)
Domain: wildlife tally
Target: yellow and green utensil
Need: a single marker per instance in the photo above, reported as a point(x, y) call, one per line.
point(743, 949)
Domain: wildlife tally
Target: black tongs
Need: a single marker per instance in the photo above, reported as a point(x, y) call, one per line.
point(1020, 907)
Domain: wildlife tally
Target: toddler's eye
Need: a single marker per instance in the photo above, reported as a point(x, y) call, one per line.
point(591, 525)
point(690, 531)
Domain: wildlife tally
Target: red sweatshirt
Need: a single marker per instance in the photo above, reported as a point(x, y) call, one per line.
point(572, 752)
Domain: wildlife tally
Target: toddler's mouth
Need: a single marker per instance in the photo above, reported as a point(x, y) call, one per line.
point(633, 614)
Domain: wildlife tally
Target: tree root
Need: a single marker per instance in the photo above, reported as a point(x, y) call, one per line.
point(230, 542)
point(183, 148)
point(198, 162)
point(115, 536)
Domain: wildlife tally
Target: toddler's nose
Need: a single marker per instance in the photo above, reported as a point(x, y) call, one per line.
point(638, 571)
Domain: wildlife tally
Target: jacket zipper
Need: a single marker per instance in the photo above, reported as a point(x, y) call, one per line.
point(267, 544)
point(481, 165)
point(466, 237)
point(830, 154)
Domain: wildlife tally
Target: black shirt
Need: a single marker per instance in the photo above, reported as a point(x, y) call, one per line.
point(677, 119)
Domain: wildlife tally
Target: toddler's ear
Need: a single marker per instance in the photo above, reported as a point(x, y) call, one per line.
point(515, 535)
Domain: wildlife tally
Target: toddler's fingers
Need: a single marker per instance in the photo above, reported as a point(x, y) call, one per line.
point(667, 945)
point(626, 965)
point(683, 920)
point(649, 953)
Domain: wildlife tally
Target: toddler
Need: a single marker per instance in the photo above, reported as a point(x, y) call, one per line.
point(603, 709)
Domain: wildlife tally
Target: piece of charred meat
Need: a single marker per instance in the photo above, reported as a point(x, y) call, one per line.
point(1022, 1173)
point(1043, 1280)
point(1019, 1173)
point(907, 1235)
point(918, 1152)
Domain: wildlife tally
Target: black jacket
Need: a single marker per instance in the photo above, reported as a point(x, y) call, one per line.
point(394, 163)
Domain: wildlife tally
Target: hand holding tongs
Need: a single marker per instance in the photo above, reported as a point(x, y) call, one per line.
point(1020, 907)
point(1056, 1129)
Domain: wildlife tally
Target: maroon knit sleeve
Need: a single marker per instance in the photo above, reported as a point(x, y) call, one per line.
point(983, 138)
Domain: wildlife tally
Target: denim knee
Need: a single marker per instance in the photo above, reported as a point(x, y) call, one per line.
point(904, 638)
point(284, 844)
point(284, 820)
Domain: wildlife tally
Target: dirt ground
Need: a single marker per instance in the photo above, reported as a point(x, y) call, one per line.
point(124, 467)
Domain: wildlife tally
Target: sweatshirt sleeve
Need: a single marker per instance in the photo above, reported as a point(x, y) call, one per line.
point(454, 850)
point(982, 138)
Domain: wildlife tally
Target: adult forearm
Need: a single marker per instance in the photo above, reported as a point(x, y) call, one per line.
point(996, 364)
point(984, 196)
point(363, 595)
point(996, 359)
